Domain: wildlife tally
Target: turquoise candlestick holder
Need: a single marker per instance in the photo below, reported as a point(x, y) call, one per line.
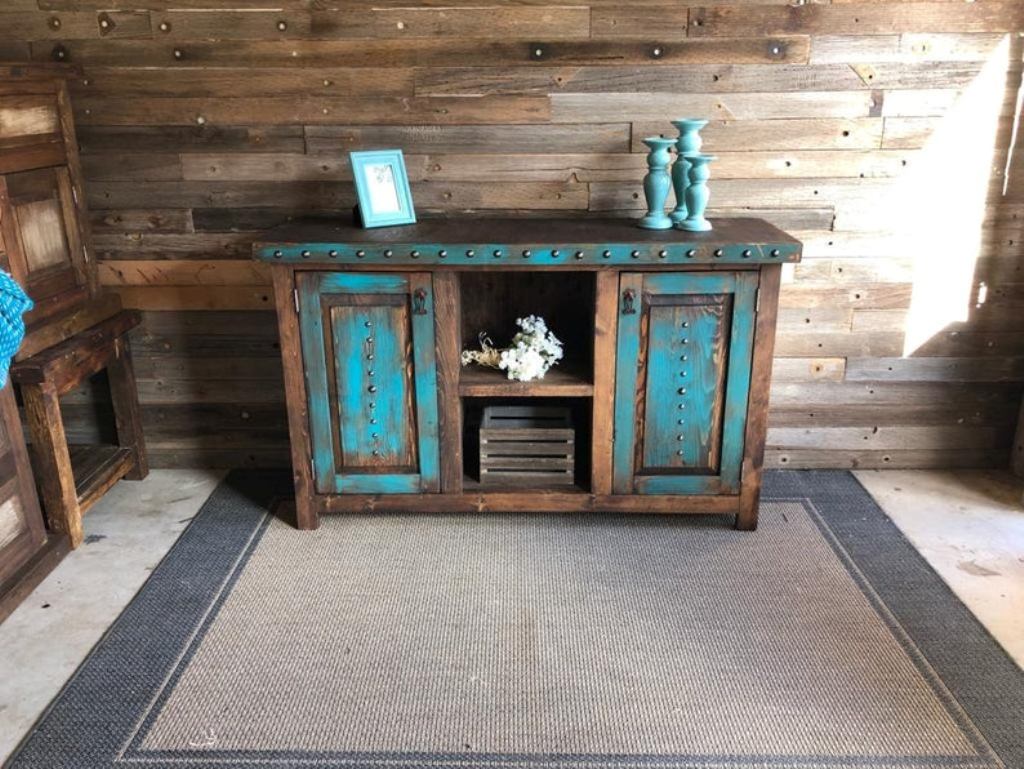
point(697, 194)
point(657, 184)
point(688, 143)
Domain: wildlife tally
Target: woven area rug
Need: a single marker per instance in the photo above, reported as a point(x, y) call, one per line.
point(821, 640)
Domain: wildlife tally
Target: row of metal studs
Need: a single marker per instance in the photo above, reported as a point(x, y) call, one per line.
point(388, 253)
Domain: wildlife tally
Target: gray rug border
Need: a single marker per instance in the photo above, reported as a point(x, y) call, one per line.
point(158, 624)
point(972, 665)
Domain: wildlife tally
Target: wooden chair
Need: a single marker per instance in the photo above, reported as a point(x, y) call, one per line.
point(73, 477)
point(76, 329)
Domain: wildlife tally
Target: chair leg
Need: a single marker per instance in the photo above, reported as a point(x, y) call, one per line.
point(124, 397)
point(52, 460)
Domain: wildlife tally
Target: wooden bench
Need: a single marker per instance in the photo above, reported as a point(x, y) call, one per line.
point(73, 478)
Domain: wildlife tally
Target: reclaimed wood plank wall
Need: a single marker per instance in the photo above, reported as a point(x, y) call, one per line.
point(202, 122)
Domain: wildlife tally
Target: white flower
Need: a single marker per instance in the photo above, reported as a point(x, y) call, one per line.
point(534, 350)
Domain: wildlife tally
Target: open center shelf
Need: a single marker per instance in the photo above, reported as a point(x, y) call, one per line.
point(541, 449)
point(492, 301)
point(565, 380)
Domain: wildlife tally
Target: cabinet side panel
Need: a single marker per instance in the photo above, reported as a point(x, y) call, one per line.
point(314, 360)
point(447, 328)
point(606, 320)
point(757, 404)
point(295, 392)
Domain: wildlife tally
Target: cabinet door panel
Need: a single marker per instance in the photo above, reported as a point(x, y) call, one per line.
point(395, 439)
point(696, 443)
point(368, 352)
point(683, 376)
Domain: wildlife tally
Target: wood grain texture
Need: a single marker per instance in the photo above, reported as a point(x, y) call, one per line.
point(448, 333)
point(760, 392)
point(21, 522)
point(829, 120)
point(606, 324)
point(52, 460)
point(295, 383)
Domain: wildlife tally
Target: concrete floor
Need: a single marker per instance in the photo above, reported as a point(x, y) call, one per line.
point(968, 525)
point(47, 637)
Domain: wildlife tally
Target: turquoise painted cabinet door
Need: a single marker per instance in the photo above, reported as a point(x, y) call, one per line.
point(371, 381)
point(682, 380)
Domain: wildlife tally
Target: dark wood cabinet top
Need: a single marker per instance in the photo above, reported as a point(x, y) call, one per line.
point(524, 242)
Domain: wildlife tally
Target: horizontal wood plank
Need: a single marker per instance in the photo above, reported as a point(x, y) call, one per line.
point(689, 79)
point(417, 52)
point(304, 109)
point(856, 18)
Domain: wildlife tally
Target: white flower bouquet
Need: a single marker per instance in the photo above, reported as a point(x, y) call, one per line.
point(533, 351)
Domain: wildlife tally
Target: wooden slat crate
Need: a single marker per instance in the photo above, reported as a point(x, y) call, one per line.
point(532, 445)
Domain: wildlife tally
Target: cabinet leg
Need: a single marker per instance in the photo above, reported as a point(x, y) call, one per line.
point(124, 396)
point(746, 518)
point(52, 460)
point(306, 517)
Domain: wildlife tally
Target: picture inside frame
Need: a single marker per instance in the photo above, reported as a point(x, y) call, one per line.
point(382, 188)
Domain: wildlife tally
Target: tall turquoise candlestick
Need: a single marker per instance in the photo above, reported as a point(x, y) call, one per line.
point(697, 194)
point(657, 184)
point(688, 143)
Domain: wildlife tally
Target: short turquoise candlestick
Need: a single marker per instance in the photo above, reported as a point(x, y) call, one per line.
point(657, 184)
point(697, 194)
point(688, 143)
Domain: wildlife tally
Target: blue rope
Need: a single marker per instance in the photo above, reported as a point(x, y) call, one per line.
point(13, 303)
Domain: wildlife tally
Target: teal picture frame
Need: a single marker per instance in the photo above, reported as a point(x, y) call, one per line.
point(382, 187)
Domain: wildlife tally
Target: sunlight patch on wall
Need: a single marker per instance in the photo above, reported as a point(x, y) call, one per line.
point(943, 201)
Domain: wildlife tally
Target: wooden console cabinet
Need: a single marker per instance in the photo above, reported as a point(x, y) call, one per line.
point(668, 338)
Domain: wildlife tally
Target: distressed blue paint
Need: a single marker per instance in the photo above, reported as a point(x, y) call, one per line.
point(349, 358)
point(511, 255)
point(741, 349)
point(362, 283)
point(358, 469)
point(627, 354)
point(317, 392)
point(661, 394)
point(680, 484)
point(353, 367)
point(690, 283)
point(704, 382)
point(663, 398)
point(682, 396)
point(382, 483)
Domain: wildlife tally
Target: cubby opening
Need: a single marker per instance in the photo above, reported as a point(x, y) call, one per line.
point(491, 303)
point(580, 418)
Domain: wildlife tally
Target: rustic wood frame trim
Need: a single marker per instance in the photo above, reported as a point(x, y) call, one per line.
point(606, 324)
point(757, 402)
point(295, 396)
point(541, 501)
point(447, 336)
